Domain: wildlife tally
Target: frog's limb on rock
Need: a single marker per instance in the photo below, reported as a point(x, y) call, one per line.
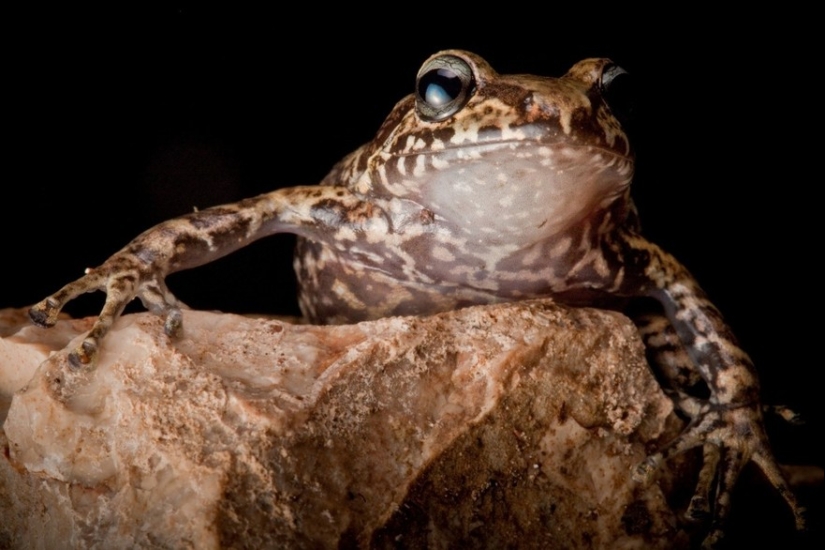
point(139, 269)
point(680, 379)
point(122, 277)
point(699, 341)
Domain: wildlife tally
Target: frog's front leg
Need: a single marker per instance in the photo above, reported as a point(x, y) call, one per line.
point(728, 425)
point(140, 268)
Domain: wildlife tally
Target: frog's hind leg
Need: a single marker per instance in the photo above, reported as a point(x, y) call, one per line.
point(683, 383)
point(721, 461)
point(671, 363)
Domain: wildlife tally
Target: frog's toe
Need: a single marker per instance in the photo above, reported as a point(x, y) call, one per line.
point(785, 413)
point(693, 436)
point(44, 313)
point(173, 325)
point(699, 508)
point(85, 354)
point(729, 467)
point(767, 463)
point(157, 298)
point(643, 473)
point(119, 292)
point(721, 466)
point(714, 539)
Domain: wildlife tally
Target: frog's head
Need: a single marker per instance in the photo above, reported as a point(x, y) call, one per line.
point(503, 154)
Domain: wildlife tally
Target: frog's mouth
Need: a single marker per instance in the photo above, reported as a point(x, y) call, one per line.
point(543, 149)
point(563, 146)
point(533, 188)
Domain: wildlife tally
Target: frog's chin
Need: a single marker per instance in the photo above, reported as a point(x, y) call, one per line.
point(507, 194)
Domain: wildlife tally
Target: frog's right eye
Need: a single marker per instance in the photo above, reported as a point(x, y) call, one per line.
point(443, 86)
point(619, 92)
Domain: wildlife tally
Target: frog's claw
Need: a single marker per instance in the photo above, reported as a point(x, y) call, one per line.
point(730, 437)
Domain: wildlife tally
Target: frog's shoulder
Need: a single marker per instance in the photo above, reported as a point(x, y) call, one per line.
point(349, 170)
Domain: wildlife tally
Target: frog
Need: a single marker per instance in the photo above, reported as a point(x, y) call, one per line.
point(480, 188)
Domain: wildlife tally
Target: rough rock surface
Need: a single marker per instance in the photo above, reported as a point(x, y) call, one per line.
point(511, 425)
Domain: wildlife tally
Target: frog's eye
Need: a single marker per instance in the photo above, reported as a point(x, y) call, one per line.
point(618, 92)
point(443, 87)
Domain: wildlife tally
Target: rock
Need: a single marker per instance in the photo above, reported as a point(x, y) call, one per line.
point(507, 425)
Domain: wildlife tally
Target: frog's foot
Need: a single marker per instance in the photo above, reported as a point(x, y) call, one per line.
point(730, 437)
point(121, 287)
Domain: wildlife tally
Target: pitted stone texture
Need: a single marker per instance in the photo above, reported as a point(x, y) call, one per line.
point(491, 426)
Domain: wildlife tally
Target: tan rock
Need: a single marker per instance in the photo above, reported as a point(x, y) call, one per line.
point(491, 426)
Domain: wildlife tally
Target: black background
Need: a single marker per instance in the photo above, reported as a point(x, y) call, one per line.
point(117, 120)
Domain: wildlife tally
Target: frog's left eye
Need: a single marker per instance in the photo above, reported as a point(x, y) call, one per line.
point(443, 87)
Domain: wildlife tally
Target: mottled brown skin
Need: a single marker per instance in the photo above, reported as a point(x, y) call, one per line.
point(518, 188)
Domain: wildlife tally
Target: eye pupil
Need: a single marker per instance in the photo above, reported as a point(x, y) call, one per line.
point(445, 84)
point(439, 87)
